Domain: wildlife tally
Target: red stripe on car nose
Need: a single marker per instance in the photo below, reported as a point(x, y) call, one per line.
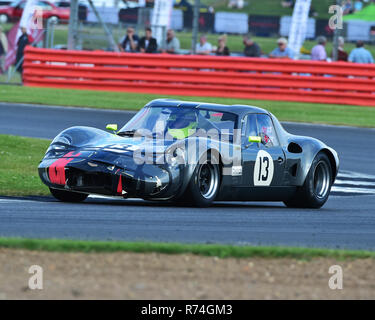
point(119, 186)
point(56, 171)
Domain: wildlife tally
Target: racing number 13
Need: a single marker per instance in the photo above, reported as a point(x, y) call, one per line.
point(263, 170)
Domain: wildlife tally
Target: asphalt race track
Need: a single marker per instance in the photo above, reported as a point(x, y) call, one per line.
point(346, 221)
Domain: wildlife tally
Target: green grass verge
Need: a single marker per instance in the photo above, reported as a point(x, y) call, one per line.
point(211, 250)
point(16, 79)
point(285, 111)
point(19, 159)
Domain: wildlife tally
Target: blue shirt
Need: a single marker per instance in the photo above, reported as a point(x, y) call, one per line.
point(361, 55)
point(286, 53)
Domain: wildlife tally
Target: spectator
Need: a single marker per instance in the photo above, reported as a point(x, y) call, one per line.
point(239, 4)
point(318, 53)
point(3, 49)
point(358, 5)
point(360, 54)
point(129, 43)
point(347, 7)
point(342, 55)
point(251, 49)
point(22, 42)
point(148, 44)
point(222, 49)
point(203, 47)
point(282, 51)
point(172, 44)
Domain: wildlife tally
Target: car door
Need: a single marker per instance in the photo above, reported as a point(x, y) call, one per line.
point(270, 160)
point(250, 149)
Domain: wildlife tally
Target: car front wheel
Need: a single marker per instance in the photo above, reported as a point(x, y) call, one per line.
point(68, 196)
point(204, 184)
point(315, 191)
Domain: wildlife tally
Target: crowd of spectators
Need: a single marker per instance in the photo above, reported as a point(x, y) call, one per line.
point(357, 55)
point(350, 6)
point(147, 44)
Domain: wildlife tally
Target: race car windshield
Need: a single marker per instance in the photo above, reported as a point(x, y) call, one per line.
point(179, 122)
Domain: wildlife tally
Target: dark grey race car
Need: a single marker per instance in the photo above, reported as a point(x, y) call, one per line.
point(193, 153)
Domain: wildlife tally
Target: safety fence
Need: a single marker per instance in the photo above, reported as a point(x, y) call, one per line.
point(211, 76)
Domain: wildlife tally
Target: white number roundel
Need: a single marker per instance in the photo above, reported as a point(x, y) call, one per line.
point(263, 170)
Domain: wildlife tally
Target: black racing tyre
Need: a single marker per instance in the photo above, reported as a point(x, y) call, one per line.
point(315, 191)
point(68, 196)
point(204, 184)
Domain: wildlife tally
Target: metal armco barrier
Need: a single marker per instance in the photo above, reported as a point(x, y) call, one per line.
point(234, 77)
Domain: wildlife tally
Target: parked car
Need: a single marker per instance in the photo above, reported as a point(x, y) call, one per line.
point(14, 11)
point(3, 18)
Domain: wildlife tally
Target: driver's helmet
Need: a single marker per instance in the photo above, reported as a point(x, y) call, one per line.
point(182, 125)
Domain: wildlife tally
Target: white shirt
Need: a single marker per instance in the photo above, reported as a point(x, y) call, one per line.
point(206, 47)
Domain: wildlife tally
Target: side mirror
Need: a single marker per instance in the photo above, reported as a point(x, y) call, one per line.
point(255, 139)
point(112, 127)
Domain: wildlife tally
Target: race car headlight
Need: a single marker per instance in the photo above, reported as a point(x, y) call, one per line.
point(60, 145)
point(62, 139)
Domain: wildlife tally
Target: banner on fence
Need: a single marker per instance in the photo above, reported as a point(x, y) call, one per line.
point(298, 27)
point(161, 18)
point(129, 15)
point(177, 21)
point(108, 14)
point(231, 22)
point(264, 26)
point(359, 30)
point(34, 26)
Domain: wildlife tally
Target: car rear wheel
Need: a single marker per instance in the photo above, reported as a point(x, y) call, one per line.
point(315, 191)
point(68, 196)
point(204, 184)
